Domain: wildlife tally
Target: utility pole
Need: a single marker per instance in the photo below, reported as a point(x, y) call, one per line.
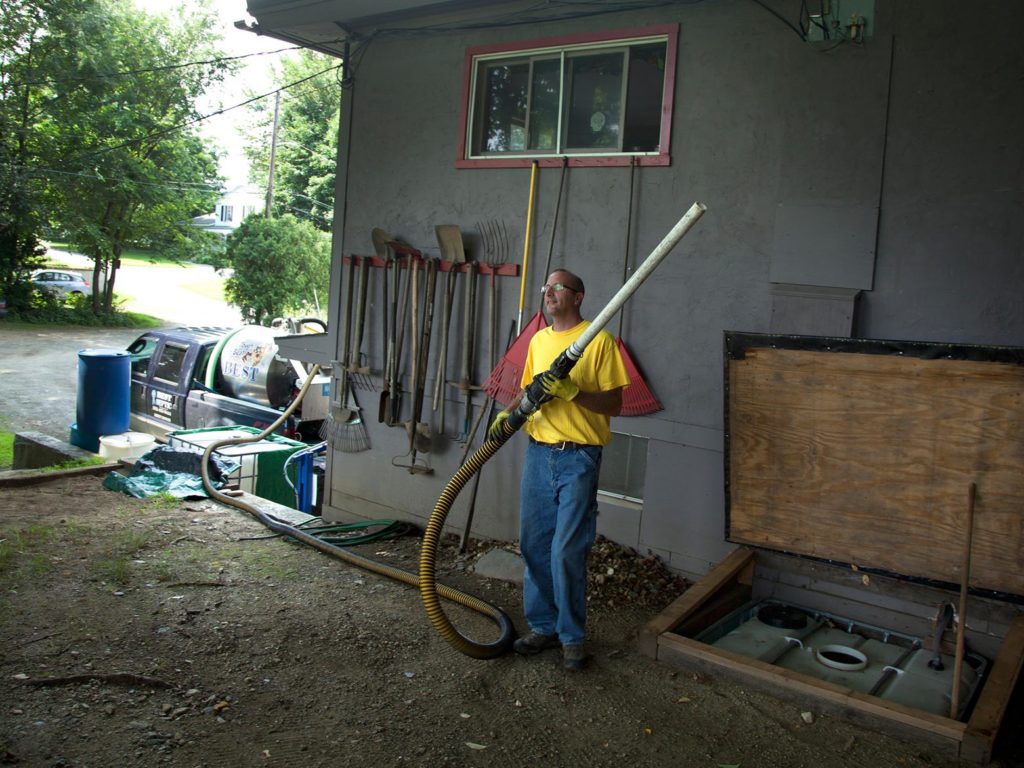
point(273, 152)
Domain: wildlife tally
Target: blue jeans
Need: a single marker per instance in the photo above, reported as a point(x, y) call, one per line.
point(557, 526)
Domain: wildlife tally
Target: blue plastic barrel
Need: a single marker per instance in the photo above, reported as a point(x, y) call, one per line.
point(104, 396)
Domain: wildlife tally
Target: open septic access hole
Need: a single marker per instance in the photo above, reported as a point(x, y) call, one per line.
point(841, 657)
point(876, 661)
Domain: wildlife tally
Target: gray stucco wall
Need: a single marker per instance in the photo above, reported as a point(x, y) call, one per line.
point(894, 168)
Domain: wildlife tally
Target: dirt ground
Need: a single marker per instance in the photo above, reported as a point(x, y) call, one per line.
point(136, 633)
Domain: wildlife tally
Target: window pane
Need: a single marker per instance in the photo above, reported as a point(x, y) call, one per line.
point(595, 101)
point(141, 351)
point(642, 131)
point(637, 468)
point(614, 464)
point(545, 96)
point(611, 102)
point(504, 107)
point(624, 466)
point(168, 367)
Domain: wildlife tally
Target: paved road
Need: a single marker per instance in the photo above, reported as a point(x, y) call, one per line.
point(39, 366)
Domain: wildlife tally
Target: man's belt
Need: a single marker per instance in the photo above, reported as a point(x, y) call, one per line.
point(565, 445)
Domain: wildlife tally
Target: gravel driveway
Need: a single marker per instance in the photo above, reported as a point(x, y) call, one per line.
point(141, 633)
point(39, 374)
point(39, 365)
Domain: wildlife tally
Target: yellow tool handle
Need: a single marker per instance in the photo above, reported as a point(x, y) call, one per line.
point(526, 243)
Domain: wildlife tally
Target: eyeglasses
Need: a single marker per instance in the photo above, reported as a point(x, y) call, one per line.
point(557, 288)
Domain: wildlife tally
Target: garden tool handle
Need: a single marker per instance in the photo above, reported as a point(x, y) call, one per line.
point(526, 244)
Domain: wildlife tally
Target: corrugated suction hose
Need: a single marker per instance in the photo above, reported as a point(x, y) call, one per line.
point(479, 651)
point(429, 590)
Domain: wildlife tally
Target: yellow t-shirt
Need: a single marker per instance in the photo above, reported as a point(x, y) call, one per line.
point(599, 370)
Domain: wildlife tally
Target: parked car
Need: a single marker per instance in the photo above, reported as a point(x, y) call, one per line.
point(61, 281)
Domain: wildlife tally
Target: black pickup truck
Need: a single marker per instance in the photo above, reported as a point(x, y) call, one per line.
point(174, 388)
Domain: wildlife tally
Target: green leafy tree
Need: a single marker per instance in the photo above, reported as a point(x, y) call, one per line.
point(134, 165)
point(282, 266)
point(32, 52)
point(307, 138)
point(98, 130)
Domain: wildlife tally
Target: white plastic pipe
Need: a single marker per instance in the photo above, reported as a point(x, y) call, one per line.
point(642, 273)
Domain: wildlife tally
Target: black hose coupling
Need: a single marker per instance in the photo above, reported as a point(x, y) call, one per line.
point(534, 395)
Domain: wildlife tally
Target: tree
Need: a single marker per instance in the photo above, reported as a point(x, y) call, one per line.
point(282, 266)
point(307, 138)
point(104, 144)
point(135, 165)
point(31, 49)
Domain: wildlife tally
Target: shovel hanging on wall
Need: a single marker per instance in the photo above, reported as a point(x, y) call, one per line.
point(389, 302)
point(449, 240)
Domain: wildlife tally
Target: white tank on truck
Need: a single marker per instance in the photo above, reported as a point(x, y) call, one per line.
point(251, 369)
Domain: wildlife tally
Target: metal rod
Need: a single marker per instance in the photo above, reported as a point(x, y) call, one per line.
point(554, 219)
point(961, 624)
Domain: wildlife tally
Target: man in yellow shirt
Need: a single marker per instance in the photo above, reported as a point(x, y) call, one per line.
point(558, 492)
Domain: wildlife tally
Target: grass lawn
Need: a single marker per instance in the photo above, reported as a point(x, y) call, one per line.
point(6, 449)
point(210, 289)
point(203, 283)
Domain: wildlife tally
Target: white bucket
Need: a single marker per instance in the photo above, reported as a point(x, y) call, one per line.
point(127, 445)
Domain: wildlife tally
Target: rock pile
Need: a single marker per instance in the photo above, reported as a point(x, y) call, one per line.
point(619, 576)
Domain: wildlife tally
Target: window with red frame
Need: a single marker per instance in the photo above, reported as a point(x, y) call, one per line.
point(594, 97)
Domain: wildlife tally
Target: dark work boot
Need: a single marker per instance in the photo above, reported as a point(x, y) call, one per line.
point(535, 642)
point(574, 657)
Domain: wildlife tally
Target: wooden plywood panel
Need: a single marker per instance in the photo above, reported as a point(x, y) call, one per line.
point(867, 458)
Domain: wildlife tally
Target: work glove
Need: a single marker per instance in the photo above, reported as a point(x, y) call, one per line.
point(496, 430)
point(565, 389)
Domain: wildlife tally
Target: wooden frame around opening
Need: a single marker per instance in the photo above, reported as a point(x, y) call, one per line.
point(716, 594)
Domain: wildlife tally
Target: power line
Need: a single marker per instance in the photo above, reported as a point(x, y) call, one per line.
point(308, 214)
point(801, 33)
point(200, 119)
point(132, 72)
point(316, 202)
point(169, 184)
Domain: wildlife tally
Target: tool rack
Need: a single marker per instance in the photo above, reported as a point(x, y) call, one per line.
point(403, 262)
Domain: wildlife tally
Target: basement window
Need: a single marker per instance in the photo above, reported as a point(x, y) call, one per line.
point(623, 467)
point(595, 99)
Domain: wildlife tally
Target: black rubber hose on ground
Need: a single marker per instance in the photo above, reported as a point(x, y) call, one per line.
point(476, 650)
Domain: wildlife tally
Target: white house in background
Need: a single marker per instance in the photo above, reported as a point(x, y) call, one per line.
point(236, 203)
